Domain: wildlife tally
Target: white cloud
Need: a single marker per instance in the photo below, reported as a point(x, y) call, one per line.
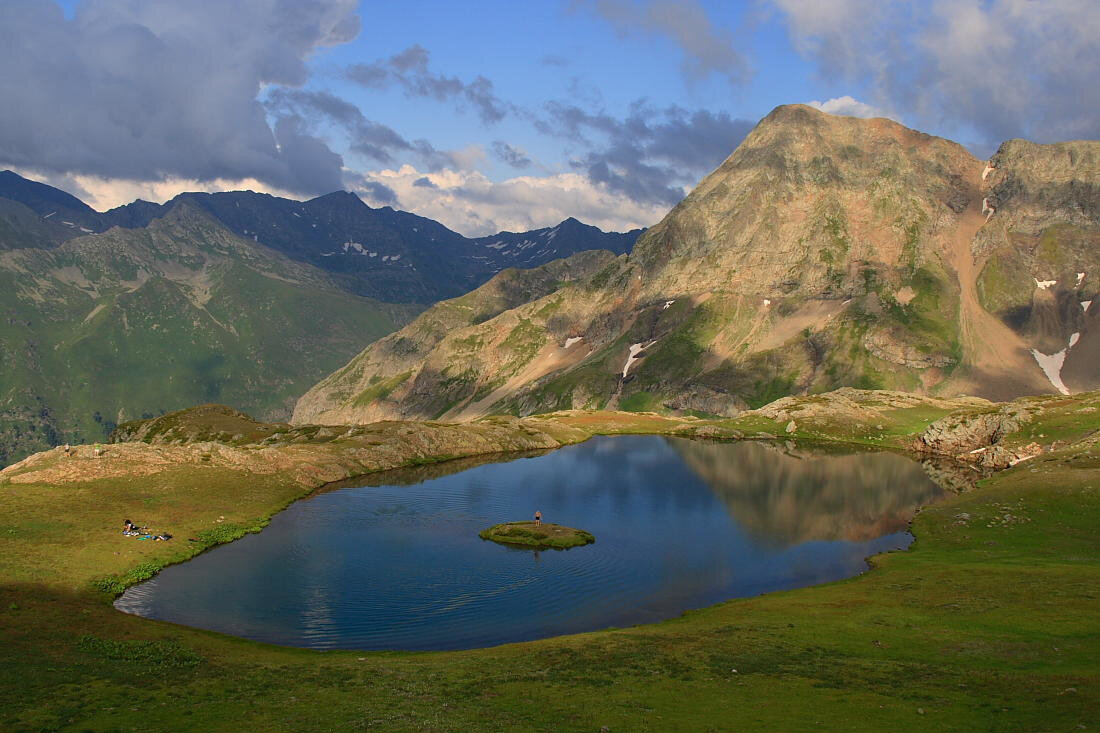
point(472, 204)
point(107, 193)
point(1006, 68)
point(847, 106)
point(708, 48)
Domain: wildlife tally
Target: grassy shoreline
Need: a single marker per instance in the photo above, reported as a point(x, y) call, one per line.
point(985, 623)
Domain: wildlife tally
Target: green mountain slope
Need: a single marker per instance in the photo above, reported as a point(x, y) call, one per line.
point(133, 322)
point(824, 252)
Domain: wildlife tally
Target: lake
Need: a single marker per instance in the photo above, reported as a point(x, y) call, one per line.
point(395, 562)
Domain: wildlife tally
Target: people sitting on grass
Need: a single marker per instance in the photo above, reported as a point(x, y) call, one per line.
point(132, 530)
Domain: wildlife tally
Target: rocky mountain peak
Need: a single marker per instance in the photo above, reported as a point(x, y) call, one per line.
point(823, 252)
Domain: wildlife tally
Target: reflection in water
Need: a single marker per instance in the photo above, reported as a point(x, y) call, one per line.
point(786, 496)
point(678, 525)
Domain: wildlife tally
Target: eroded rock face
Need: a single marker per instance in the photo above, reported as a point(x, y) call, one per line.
point(956, 434)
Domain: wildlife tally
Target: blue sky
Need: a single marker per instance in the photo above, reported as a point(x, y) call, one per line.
point(502, 115)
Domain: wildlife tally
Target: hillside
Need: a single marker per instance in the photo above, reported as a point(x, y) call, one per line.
point(824, 252)
point(110, 327)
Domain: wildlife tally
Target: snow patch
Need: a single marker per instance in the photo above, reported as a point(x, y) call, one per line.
point(1073, 338)
point(572, 340)
point(987, 208)
point(1044, 284)
point(667, 304)
point(1085, 305)
point(295, 213)
point(47, 216)
point(86, 231)
point(1051, 364)
point(989, 168)
point(633, 357)
point(1080, 279)
point(767, 302)
point(497, 245)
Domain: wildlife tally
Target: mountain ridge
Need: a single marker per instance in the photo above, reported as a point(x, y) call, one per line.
point(383, 253)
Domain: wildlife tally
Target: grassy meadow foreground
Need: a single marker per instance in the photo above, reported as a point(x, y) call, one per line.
point(989, 622)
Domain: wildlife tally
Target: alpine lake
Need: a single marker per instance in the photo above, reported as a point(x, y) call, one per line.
point(395, 561)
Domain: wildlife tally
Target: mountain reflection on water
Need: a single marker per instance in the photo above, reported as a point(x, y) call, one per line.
point(394, 562)
point(786, 496)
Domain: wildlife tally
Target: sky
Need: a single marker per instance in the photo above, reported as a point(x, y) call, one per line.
point(495, 115)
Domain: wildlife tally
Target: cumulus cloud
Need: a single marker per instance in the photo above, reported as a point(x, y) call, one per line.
point(409, 71)
point(160, 89)
point(847, 106)
point(707, 48)
point(651, 155)
point(1006, 68)
point(471, 203)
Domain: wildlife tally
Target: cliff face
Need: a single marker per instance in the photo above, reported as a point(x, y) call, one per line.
point(1040, 255)
point(824, 252)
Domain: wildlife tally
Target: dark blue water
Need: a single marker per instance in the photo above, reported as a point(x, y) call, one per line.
point(678, 524)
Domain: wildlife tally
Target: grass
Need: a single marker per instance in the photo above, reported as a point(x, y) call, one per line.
point(986, 623)
point(542, 537)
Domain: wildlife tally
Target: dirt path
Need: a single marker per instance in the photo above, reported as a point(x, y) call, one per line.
point(997, 365)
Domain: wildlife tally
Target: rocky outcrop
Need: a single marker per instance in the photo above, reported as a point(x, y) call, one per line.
point(962, 433)
point(980, 437)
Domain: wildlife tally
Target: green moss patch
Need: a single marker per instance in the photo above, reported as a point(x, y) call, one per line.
point(541, 537)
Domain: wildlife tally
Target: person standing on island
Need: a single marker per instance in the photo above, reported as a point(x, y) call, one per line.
point(538, 518)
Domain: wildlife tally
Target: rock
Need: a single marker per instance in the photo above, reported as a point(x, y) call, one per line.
point(709, 401)
point(957, 434)
point(891, 346)
point(709, 431)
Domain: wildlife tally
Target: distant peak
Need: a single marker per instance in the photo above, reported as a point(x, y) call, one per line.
point(340, 196)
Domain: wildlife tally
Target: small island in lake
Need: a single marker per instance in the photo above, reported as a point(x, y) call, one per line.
point(541, 537)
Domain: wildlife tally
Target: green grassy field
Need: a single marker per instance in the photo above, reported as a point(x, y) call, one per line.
point(990, 622)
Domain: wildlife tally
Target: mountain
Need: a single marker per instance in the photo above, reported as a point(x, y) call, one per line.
point(108, 327)
point(52, 205)
point(380, 253)
point(539, 246)
point(239, 297)
point(824, 252)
